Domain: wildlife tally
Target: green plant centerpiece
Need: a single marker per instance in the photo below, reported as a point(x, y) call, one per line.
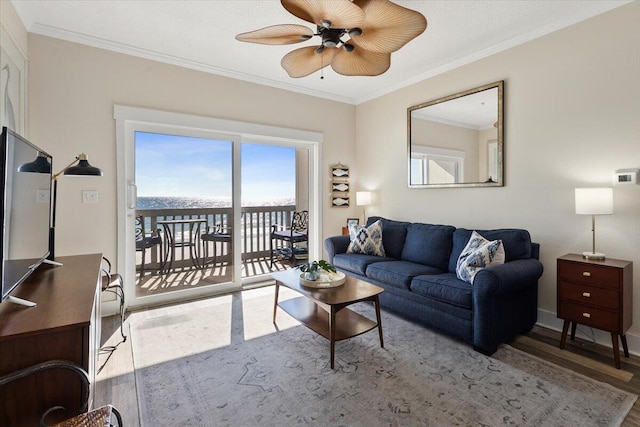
point(312, 269)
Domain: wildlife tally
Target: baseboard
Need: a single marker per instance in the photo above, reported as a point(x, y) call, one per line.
point(549, 320)
point(109, 308)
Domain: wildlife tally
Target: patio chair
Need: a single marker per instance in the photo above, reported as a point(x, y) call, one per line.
point(145, 241)
point(289, 237)
point(215, 234)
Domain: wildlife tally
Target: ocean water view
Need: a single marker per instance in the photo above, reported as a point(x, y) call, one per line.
point(203, 202)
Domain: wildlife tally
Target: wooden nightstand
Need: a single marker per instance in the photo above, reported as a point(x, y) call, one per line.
point(597, 294)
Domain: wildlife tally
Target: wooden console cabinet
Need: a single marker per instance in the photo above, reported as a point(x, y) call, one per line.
point(65, 325)
point(597, 294)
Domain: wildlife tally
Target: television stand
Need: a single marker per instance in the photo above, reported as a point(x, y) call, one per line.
point(65, 325)
point(21, 301)
point(51, 262)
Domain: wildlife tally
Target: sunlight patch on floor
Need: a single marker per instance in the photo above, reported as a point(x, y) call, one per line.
point(258, 316)
point(188, 338)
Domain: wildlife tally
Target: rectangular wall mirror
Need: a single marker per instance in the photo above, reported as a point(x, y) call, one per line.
point(457, 140)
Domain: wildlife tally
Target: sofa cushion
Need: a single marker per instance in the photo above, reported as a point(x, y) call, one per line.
point(398, 273)
point(429, 245)
point(366, 240)
point(356, 263)
point(444, 287)
point(516, 243)
point(478, 254)
point(393, 235)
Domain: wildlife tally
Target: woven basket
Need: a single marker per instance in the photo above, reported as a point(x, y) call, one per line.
point(100, 417)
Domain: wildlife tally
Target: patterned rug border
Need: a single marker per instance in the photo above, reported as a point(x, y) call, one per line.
point(629, 402)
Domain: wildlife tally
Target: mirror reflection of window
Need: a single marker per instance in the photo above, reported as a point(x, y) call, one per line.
point(492, 157)
point(434, 165)
point(468, 122)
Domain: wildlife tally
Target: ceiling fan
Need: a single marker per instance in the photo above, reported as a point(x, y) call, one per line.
point(357, 36)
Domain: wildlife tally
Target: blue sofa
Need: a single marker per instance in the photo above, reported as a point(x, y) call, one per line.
point(418, 273)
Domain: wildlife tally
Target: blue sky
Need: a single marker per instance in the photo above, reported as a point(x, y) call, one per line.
point(179, 166)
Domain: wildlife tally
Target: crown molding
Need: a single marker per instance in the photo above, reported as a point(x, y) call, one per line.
point(597, 9)
point(54, 32)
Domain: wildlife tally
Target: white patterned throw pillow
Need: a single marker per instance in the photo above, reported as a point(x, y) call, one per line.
point(366, 240)
point(478, 254)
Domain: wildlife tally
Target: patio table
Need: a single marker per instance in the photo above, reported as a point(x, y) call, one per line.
point(169, 226)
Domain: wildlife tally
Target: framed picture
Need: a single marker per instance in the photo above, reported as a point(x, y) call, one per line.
point(12, 87)
point(340, 201)
point(339, 187)
point(353, 221)
point(339, 171)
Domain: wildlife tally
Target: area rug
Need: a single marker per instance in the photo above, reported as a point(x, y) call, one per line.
point(225, 364)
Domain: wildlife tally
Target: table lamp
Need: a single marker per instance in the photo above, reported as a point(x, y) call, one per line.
point(363, 198)
point(594, 201)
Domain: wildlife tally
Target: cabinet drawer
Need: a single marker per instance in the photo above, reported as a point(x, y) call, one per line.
point(589, 274)
point(590, 316)
point(585, 294)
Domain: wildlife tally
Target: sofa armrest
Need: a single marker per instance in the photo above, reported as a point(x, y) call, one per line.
point(336, 245)
point(505, 302)
point(513, 276)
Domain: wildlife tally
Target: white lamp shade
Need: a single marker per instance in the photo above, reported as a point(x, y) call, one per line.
point(363, 198)
point(594, 201)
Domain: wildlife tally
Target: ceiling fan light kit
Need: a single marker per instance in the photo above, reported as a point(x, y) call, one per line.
point(357, 36)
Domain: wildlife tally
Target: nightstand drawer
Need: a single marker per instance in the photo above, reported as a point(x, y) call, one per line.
point(590, 316)
point(589, 274)
point(585, 294)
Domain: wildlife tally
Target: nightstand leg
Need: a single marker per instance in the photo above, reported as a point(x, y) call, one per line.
point(565, 328)
point(623, 338)
point(574, 325)
point(616, 349)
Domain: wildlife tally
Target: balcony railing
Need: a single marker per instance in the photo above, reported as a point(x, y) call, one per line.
point(255, 229)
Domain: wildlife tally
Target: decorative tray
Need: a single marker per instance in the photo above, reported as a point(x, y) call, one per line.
point(326, 280)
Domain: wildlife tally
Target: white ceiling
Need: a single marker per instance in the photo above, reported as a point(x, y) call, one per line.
point(200, 35)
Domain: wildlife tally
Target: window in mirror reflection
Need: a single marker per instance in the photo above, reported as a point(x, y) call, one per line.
point(431, 165)
point(456, 140)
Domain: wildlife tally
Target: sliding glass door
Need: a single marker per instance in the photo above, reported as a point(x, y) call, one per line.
point(197, 202)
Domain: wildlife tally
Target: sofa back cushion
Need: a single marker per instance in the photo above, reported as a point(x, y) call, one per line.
point(516, 243)
point(393, 235)
point(429, 244)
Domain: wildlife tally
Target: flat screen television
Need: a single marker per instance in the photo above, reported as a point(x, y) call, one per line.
point(25, 182)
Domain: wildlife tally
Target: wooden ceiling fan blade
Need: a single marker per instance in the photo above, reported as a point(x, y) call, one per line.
point(387, 26)
point(341, 13)
point(304, 61)
point(360, 62)
point(277, 34)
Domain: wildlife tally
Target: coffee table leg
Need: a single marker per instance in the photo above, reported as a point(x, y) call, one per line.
point(275, 301)
point(377, 303)
point(332, 333)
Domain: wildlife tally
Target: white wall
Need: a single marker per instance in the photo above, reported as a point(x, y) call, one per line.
point(572, 117)
point(12, 24)
point(74, 88)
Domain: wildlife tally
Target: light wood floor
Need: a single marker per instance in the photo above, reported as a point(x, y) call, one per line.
point(116, 382)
